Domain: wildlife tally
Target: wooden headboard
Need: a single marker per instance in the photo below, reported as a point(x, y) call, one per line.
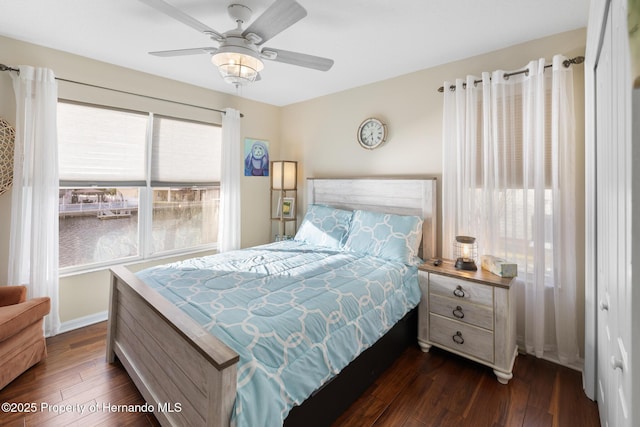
point(402, 196)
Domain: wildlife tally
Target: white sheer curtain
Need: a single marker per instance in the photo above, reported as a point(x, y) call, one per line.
point(229, 219)
point(33, 245)
point(509, 180)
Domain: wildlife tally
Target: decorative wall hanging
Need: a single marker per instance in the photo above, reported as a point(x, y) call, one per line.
point(7, 138)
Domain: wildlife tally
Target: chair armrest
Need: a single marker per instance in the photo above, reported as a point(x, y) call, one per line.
point(16, 317)
point(12, 295)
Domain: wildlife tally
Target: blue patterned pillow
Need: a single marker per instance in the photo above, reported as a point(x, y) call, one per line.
point(324, 226)
point(388, 236)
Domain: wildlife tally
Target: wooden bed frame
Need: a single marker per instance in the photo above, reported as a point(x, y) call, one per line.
point(188, 375)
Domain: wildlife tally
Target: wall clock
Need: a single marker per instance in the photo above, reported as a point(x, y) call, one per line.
point(372, 133)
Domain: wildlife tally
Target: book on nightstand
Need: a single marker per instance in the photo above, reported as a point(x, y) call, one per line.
point(498, 266)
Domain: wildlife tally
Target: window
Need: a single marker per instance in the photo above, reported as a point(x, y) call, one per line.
point(134, 185)
point(506, 165)
point(506, 171)
point(508, 175)
point(184, 217)
point(97, 225)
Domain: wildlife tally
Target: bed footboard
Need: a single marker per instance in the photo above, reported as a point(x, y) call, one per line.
point(186, 375)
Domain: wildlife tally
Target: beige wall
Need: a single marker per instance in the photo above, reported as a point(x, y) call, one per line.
point(321, 133)
point(87, 294)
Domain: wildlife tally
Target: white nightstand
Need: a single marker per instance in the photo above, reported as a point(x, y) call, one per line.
point(470, 313)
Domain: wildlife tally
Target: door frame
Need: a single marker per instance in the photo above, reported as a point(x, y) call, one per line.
point(599, 10)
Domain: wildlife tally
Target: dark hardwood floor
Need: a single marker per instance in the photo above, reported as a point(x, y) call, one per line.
point(432, 389)
point(441, 389)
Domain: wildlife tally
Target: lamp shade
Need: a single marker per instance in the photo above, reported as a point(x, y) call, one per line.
point(237, 68)
point(284, 174)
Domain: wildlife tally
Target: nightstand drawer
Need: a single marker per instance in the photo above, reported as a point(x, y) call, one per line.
point(462, 338)
point(462, 290)
point(464, 311)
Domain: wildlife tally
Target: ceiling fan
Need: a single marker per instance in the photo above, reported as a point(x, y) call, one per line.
point(240, 52)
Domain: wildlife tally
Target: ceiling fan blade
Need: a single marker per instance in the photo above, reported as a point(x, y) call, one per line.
point(177, 14)
point(300, 59)
point(278, 17)
point(183, 52)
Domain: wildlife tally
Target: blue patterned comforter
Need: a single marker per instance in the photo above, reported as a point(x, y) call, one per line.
point(296, 314)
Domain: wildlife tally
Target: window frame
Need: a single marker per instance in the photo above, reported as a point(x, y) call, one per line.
point(145, 201)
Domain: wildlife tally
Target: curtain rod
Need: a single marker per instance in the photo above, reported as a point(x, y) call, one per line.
point(567, 63)
point(17, 70)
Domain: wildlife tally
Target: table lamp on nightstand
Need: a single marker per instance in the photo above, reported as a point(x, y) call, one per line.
point(465, 250)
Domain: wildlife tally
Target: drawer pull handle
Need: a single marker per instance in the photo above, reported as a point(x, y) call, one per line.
point(458, 312)
point(459, 292)
point(457, 338)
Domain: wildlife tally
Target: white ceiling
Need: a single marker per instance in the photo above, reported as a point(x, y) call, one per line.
point(370, 40)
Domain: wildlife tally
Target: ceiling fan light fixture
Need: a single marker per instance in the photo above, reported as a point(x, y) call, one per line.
point(240, 52)
point(237, 68)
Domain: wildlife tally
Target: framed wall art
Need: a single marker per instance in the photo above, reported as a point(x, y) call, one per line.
point(256, 157)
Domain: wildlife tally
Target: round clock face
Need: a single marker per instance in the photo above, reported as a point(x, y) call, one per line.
point(371, 133)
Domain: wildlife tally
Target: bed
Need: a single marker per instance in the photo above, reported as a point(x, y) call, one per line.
point(177, 356)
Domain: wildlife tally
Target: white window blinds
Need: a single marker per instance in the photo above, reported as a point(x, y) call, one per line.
point(99, 145)
point(512, 144)
point(185, 152)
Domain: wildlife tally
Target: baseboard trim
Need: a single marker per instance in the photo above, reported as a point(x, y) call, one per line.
point(81, 322)
point(552, 356)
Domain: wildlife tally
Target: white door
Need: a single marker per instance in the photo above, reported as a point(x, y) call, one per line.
point(603, 214)
point(622, 165)
point(614, 220)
